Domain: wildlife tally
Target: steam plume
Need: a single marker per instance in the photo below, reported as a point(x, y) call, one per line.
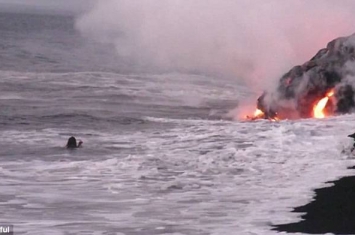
point(254, 41)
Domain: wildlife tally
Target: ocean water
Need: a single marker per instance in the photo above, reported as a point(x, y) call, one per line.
point(158, 155)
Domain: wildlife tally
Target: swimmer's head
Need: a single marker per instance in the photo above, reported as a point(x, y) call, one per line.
point(72, 142)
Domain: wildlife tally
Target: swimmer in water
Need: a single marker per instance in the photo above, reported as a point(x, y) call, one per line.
point(352, 136)
point(72, 143)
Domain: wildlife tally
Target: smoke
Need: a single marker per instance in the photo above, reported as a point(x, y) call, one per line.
point(254, 41)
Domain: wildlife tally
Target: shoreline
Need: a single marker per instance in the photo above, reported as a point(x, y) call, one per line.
point(332, 210)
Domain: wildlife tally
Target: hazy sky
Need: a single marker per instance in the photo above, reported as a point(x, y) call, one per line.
point(53, 5)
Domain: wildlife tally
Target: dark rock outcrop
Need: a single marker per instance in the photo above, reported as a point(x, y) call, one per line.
point(299, 90)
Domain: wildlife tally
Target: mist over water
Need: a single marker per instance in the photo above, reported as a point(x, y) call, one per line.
point(46, 7)
point(253, 41)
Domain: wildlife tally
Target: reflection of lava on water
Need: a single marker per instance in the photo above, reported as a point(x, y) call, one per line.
point(319, 88)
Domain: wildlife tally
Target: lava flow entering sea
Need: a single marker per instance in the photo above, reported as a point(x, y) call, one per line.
point(321, 87)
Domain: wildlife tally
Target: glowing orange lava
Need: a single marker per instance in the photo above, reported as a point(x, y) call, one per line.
point(258, 114)
point(318, 109)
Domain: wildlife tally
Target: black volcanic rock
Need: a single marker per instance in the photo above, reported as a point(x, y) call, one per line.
point(331, 211)
point(304, 85)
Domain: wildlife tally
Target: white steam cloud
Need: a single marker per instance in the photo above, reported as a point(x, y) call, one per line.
point(255, 41)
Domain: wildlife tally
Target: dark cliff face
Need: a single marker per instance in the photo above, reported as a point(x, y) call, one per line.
point(304, 85)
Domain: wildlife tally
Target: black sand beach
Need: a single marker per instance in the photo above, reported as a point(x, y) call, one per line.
point(332, 211)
